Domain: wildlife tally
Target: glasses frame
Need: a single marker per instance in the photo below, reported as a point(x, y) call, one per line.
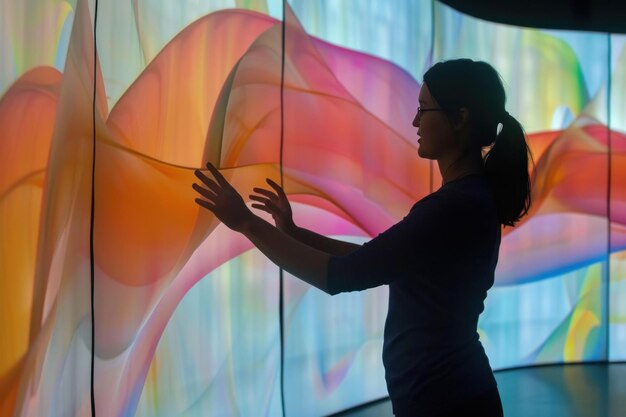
point(421, 111)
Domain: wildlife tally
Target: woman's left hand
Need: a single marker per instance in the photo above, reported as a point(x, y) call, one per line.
point(219, 197)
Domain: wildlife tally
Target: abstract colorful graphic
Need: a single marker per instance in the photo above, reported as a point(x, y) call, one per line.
point(186, 311)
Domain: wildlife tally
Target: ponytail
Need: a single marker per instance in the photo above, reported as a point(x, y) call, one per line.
point(506, 167)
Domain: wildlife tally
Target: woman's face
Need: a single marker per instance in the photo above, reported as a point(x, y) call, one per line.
point(436, 135)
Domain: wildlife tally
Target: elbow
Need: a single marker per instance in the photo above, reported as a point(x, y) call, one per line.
point(330, 289)
point(330, 292)
point(335, 289)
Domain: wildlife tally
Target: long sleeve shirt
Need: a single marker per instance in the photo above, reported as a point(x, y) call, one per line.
point(439, 262)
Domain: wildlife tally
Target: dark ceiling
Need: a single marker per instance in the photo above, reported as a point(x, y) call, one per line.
point(597, 16)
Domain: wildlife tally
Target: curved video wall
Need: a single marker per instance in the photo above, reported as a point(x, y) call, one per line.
point(189, 317)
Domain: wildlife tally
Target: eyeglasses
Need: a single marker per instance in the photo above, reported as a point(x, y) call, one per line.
point(421, 111)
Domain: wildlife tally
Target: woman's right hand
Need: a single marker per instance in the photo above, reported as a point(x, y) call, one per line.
point(275, 203)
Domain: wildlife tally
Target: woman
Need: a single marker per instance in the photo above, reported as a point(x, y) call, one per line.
point(439, 261)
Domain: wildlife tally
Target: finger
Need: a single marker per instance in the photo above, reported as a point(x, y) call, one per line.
point(276, 187)
point(258, 198)
point(206, 205)
point(266, 203)
point(218, 175)
point(205, 193)
point(261, 207)
point(208, 181)
point(265, 192)
point(272, 206)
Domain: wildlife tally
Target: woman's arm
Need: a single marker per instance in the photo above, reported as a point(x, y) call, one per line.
point(299, 259)
point(321, 242)
point(303, 261)
point(276, 203)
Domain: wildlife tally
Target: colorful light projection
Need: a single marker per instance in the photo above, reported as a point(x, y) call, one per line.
point(186, 312)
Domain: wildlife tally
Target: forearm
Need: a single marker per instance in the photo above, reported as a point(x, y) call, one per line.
point(323, 243)
point(296, 257)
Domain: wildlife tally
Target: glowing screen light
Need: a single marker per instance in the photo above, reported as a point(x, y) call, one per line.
point(187, 312)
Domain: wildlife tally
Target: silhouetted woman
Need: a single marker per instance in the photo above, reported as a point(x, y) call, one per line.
point(439, 261)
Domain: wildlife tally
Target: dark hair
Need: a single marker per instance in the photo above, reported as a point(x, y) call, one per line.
point(477, 86)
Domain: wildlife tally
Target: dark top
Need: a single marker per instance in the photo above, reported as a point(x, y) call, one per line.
point(439, 262)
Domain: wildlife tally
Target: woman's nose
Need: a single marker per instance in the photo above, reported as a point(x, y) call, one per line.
point(416, 121)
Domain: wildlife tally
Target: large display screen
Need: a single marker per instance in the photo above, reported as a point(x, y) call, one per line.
point(190, 319)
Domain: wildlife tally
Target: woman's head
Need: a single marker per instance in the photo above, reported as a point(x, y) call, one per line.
point(466, 85)
point(471, 97)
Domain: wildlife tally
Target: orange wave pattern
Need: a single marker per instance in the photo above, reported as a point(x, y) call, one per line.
point(349, 149)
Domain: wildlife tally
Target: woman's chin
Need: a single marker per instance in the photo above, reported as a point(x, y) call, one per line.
point(422, 153)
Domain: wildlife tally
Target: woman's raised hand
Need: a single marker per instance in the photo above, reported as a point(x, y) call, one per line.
point(219, 197)
point(275, 203)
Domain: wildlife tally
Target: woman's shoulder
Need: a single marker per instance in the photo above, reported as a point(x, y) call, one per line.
point(470, 194)
point(469, 187)
point(475, 187)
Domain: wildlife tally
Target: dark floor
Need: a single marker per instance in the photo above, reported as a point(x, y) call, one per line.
point(579, 390)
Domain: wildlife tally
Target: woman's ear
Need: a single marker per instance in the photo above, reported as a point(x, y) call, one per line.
point(461, 118)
